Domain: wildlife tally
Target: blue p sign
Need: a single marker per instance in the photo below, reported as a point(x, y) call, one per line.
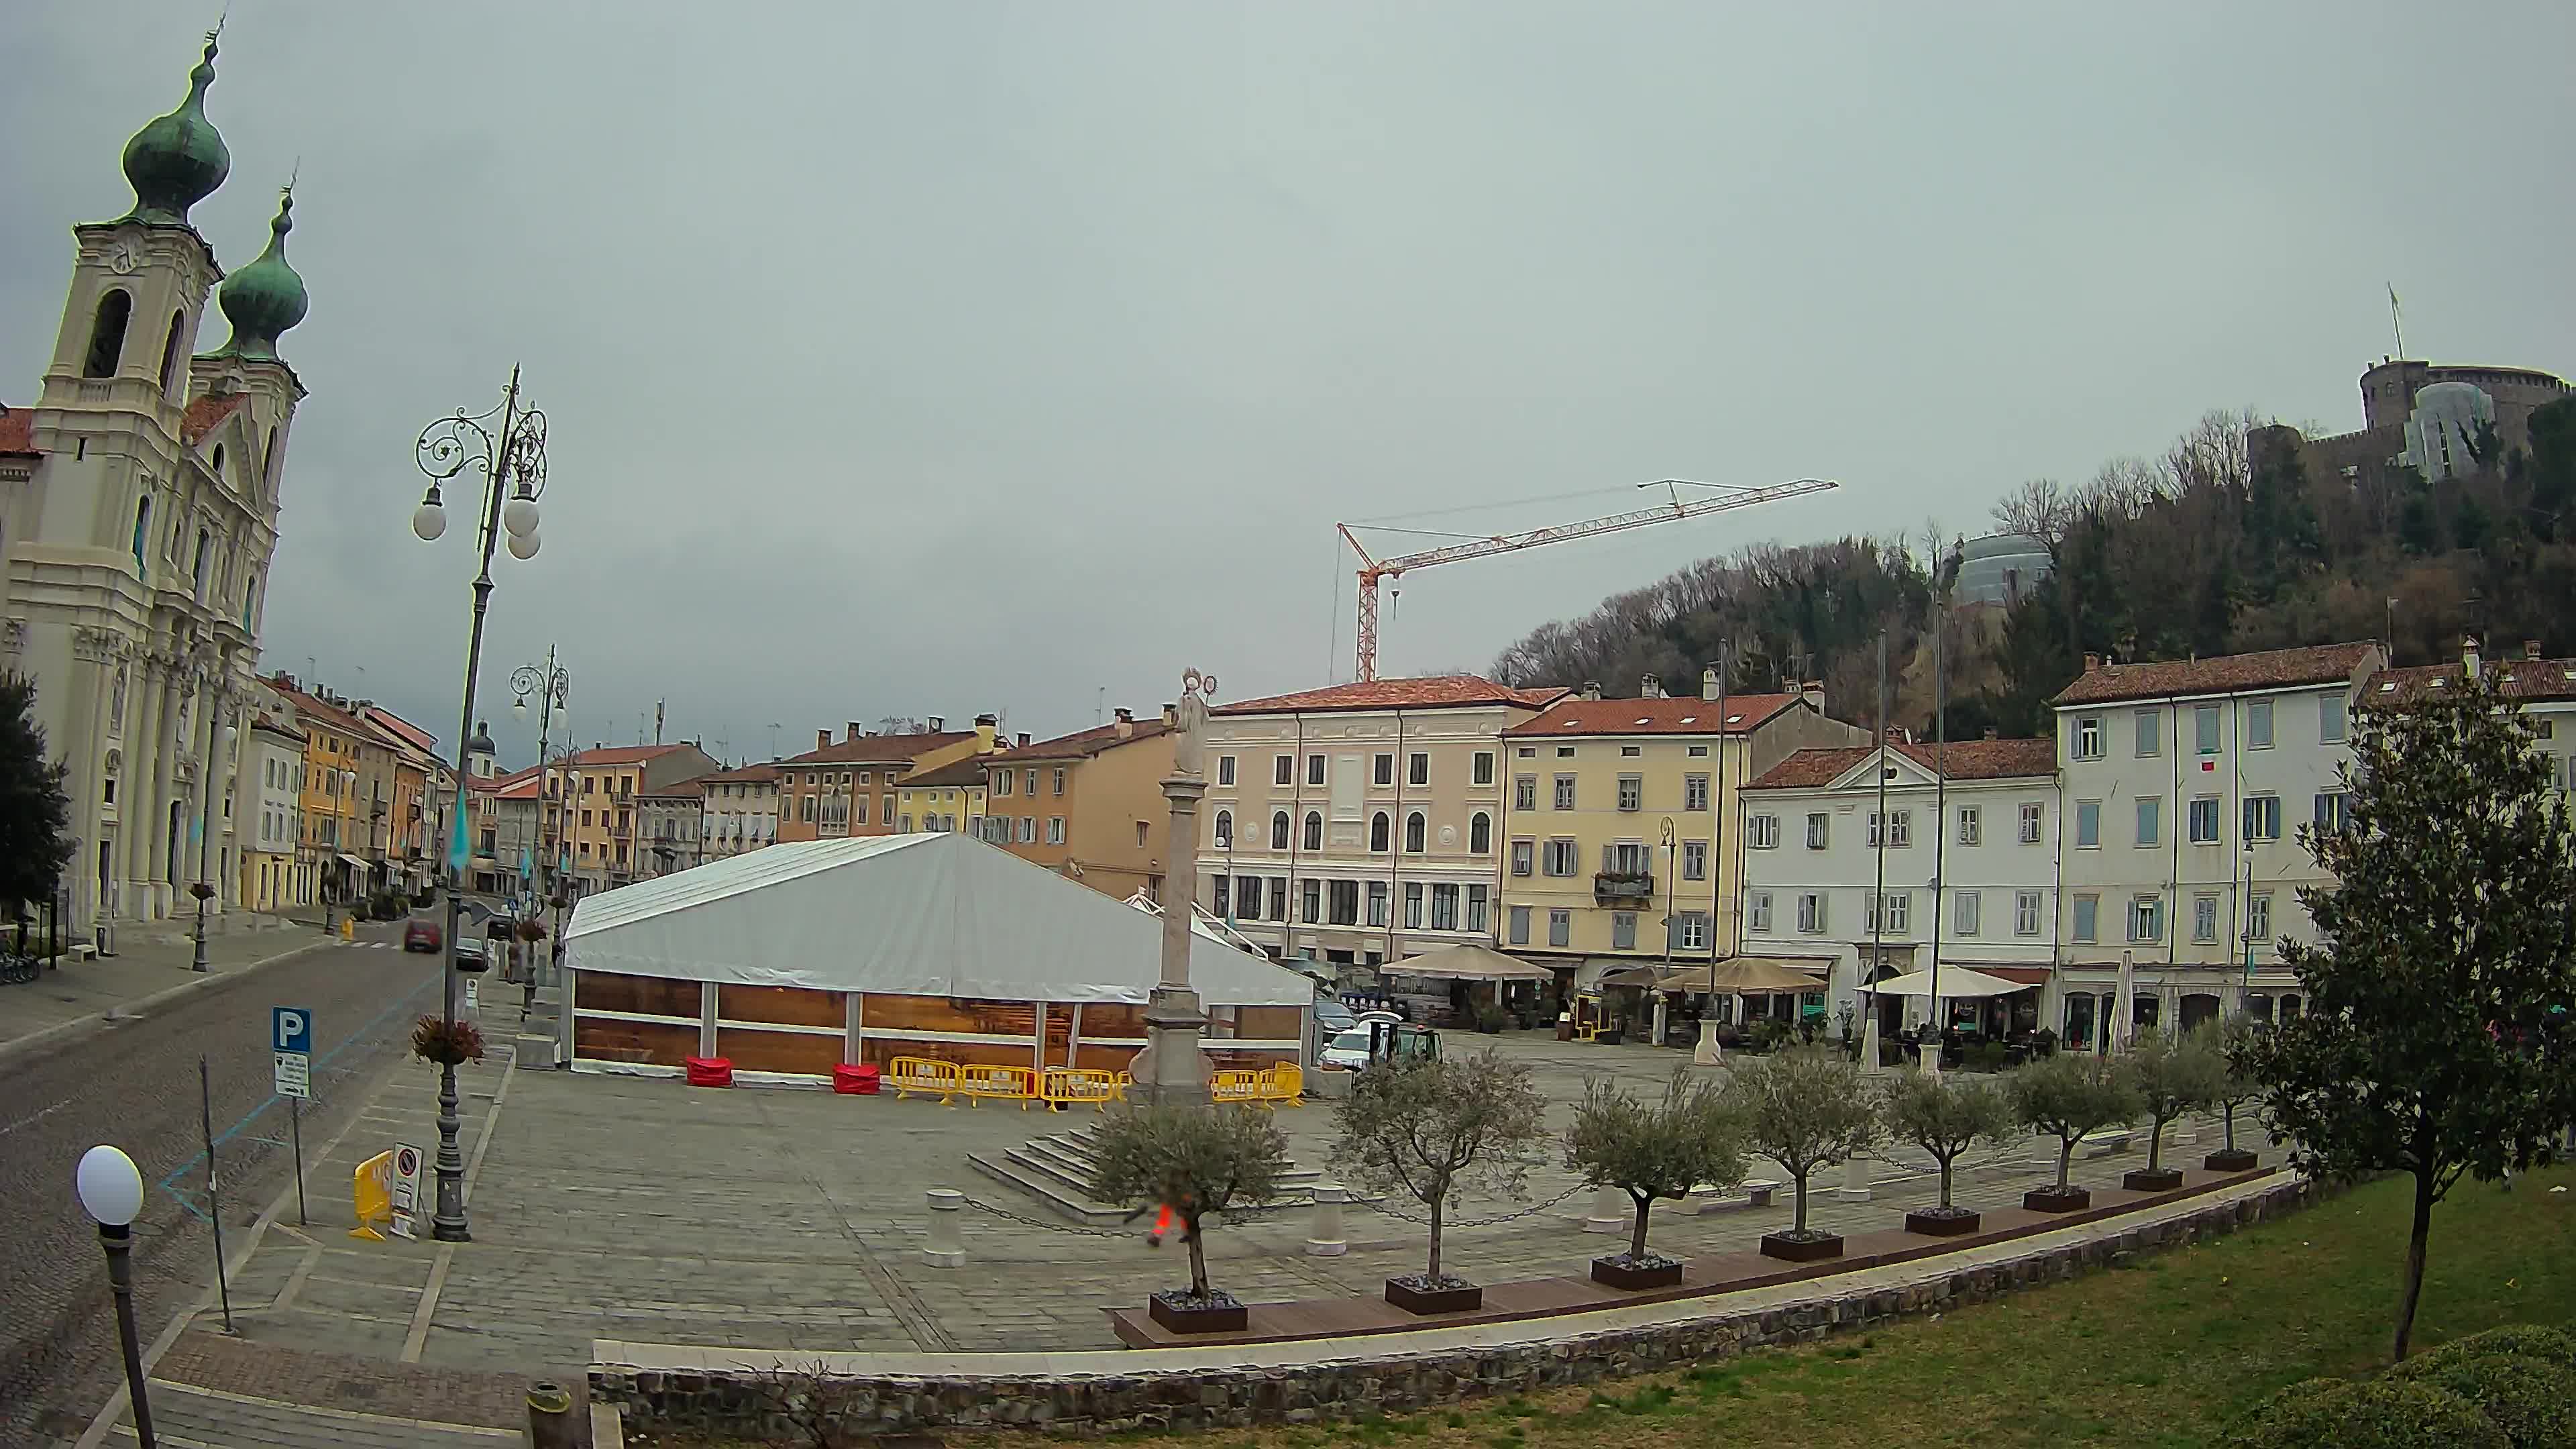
point(290, 1029)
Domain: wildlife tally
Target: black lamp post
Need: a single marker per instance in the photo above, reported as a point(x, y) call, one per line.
point(513, 463)
point(111, 1192)
point(221, 740)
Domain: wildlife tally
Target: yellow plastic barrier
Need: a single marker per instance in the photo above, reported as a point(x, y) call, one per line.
point(1124, 1082)
point(1237, 1085)
point(979, 1080)
point(1064, 1086)
point(372, 1187)
point(1284, 1083)
point(922, 1074)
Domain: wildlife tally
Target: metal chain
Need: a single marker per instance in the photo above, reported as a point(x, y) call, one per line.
point(1446, 1224)
point(1026, 1221)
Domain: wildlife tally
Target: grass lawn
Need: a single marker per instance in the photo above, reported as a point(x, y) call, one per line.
point(2154, 1356)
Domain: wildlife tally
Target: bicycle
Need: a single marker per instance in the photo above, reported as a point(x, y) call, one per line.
point(17, 970)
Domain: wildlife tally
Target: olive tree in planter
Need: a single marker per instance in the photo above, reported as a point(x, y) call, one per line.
point(2234, 1045)
point(1429, 1127)
point(2171, 1075)
point(1806, 1109)
point(1653, 1150)
point(1946, 1115)
point(1195, 1161)
point(2066, 1096)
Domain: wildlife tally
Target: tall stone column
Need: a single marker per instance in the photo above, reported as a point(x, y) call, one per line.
point(139, 805)
point(1174, 1071)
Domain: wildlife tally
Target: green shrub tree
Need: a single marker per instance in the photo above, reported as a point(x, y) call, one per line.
point(2170, 1075)
point(1946, 1115)
point(2235, 1044)
point(35, 814)
point(1804, 1108)
point(1655, 1150)
point(1430, 1126)
point(2068, 1095)
point(1195, 1160)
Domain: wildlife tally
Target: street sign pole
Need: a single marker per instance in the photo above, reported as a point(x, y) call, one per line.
point(290, 1040)
point(214, 1193)
point(295, 1128)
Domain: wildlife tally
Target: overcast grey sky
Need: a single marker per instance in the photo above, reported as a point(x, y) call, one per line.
point(934, 358)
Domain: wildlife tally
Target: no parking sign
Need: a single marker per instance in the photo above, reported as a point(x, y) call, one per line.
point(406, 1189)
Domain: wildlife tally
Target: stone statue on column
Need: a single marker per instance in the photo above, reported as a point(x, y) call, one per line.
point(1172, 1070)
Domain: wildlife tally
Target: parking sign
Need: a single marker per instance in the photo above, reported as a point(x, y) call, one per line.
point(290, 1029)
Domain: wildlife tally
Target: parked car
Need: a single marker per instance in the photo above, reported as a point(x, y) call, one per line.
point(422, 935)
point(1348, 1051)
point(1333, 1017)
point(1365, 1017)
point(471, 954)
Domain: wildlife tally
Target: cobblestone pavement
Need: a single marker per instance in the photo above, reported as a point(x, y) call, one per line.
point(134, 1083)
point(645, 1210)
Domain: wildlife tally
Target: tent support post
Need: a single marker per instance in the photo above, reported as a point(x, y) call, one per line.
point(706, 1018)
point(1073, 1039)
point(1037, 1039)
point(854, 1032)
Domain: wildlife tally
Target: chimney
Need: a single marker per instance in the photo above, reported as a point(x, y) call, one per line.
point(1592, 689)
point(2469, 655)
point(1171, 716)
point(851, 731)
point(823, 738)
point(2092, 661)
point(1813, 692)
point(2530, 648)
point(1126, 723)
point(985, 726)
point(1708, 682)
point(1651, 687)
point(1024, 739)
point(939, 724)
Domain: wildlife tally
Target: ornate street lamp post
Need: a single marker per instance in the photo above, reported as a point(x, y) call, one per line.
point(552, 685)
point(513, 463)
point(110, 1189)
point(1176, 1073)
point(220, 738)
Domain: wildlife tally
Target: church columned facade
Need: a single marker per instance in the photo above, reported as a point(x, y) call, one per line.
point(138, 514)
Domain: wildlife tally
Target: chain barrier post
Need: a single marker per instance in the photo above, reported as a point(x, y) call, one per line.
point(1324, 1239)
point(1611, 1211)
point(1855, 1186)
point(947, 1247)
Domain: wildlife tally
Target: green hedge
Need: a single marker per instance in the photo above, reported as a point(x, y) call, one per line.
point(2532, 1401)
point(2506, 1388)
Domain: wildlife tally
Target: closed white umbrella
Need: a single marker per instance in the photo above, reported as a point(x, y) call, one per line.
point(2122, 1010)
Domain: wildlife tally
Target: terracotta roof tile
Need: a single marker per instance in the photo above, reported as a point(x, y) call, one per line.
point(968, 771)
point(1438, 691)
point(1572, 716)
point(878, 749)
point(18, 432)
point(207, 413)
point(1962, 759)
point(2523, 679)
point(1083, 744)
point(622, 754)
point(748, 775)
point(2270, 669)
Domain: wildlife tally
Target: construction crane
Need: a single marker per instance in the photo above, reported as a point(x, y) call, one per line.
point(1374, 570)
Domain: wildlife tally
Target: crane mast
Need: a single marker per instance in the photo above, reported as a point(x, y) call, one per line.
point(1373, 570)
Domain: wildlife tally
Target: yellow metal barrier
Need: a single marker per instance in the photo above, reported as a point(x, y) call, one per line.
point(1236, 1085)
point(1064, 1086)
point(1124, 1082)
point(922, 1074)
point(372, 1187)
point(979, 1080)
point(1284, 1083)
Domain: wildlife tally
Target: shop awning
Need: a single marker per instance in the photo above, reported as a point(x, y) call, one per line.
point(1466, 963)
point(1736, 975)
point(354, 862)
point(2026, 975)
point(1956, 982)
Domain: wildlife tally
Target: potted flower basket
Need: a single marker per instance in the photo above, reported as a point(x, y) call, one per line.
point(446, 1043)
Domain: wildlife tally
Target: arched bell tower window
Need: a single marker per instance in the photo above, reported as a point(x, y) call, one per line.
point(219, 462)
point(170, 352)
point(107, 334)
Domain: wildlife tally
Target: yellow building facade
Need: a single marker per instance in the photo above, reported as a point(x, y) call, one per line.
point(1616, 822)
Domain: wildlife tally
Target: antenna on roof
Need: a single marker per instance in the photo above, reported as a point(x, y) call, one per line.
point(2396, 319)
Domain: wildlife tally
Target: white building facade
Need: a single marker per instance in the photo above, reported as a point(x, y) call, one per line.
point(1964, 871)
point(739, 812)
point(270, 812)
point(2185, 783)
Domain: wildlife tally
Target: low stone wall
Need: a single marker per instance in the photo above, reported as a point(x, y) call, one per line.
point(1302, 1388)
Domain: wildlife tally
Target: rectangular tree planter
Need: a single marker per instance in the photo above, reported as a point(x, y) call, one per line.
point(2051, 1200)
point(1939, 1225)
point(1464, 1298)
point(1801, 1250)
point(2160, 1179)
point(1183, 1313)
point(1615, 1273)
point(2229, 1159)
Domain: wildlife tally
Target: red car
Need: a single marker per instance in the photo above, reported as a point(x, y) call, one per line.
point(422, 935)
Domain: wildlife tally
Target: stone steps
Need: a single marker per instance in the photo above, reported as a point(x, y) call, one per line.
point(1057, 1171)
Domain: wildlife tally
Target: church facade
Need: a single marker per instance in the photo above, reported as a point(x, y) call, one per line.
point(138, 517)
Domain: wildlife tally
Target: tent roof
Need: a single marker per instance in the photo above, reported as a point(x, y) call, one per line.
point(931, 914)
point(1466, 962)
point(1956, 981)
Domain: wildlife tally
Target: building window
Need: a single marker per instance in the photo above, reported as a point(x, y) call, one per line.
point(2204, 919)
point(1565, 792)
point(1059, 779)
point(1311, 902)
point(1694, 860)
point(2150, 725)
point(1968, 827)
point(2147, 919)
point(1630, 752)
point(1377, 903)
point(1247, 896)
point(1560, 927)
point(1523, 854)
point(1623, 930)
point(1382, 769)
point(2088, 824)
point(107, 333)
point(1632, 792)
point(1519, 926)
point(1444, 907)
point(2330, 811)
point(2088, 911)
point(2025, 913)
point(1480, 833)
point(1762, 832)
point(2203, 825)
point(2258, 916)
point(1561, 858)
point(2151, 819)
point(1345, 905)
point(1379, 829)
point(1483, 770)
point(1314, 830)
point(2262, 817)
point(1819, 829)
point(1283, 770)
point(2258, 724)
point(1966, 909)
point(1055, 828)
point(1002, 782)
point(1694, 792)
point(1278, 830)
point(1899, 828)
point(2330, 720)
point(1224, 829)
point(2204, 729)
point(1279, 898)
point(1893, 913)
point(1757, 911)
point(1525, 792)
point(1314, 769)
point(1222, 904)
point(1029, 782)
point(1413, 905)
point(1028, 830)
point(1225, 769)
point(1414, 830)
point(2088, 737)
point(2032, 812)
point(1417, 769)
point(1811, 912)
point(1565, 752)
